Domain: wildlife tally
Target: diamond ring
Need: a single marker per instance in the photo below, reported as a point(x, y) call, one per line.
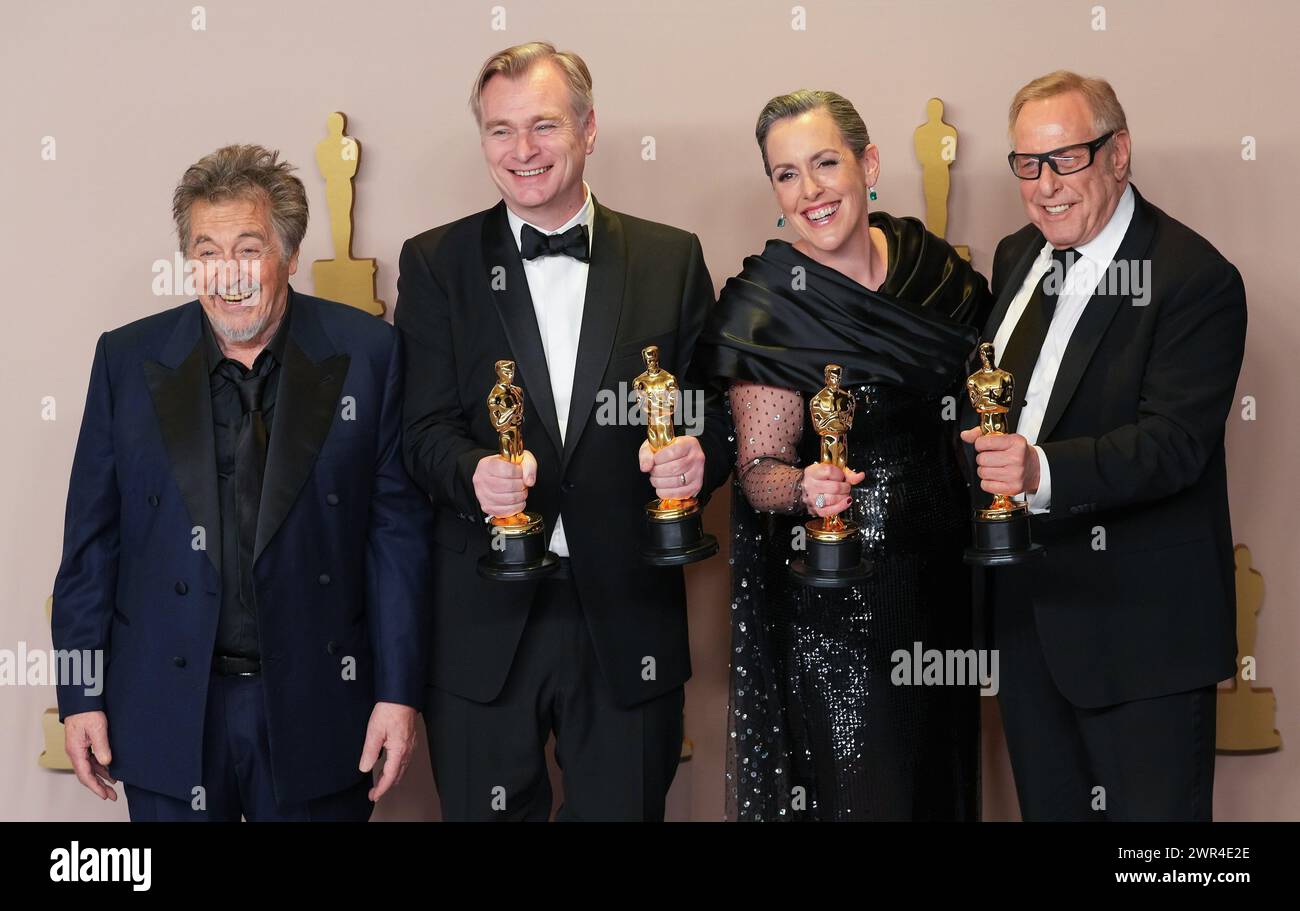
point(683, 480)
point(821, 500)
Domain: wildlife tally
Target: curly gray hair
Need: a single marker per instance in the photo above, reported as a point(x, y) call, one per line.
point(244, 172)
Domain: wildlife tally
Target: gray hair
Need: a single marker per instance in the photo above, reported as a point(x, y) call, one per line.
point(1107, 113)
point(842, 111)
point(244, 172)
point(515, 61)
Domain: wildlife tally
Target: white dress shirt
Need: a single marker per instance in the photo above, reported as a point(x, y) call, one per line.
point(1080, 281)
point(558, 286)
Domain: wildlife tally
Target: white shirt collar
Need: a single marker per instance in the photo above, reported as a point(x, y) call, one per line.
point(584, 216)
point(1102, 248)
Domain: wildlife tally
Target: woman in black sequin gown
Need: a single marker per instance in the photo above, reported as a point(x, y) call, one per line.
point(817, 728)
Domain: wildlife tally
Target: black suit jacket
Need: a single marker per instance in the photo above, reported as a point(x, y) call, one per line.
point(463, 303)
point(1133, 434)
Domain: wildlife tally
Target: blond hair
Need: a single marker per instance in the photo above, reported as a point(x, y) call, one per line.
point(1107, 112)
point(515, 61)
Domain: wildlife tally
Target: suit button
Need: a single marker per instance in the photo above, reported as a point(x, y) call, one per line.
point(332, 648)
point(567, 486)
point(181, 588)
point(332, 499)
point(153, 499)
point(178, 661)
point(324, 578)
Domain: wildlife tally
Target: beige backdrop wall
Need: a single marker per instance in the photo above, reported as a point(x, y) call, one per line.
point(131, 94)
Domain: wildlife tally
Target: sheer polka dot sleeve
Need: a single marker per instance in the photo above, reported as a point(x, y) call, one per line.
point(769, 423)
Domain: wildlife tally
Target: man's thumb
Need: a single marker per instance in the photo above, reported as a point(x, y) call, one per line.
point(99, 746)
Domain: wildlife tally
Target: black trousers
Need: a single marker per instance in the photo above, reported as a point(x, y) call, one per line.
point(489, 759)
point(237, 779)
point(1152, 759)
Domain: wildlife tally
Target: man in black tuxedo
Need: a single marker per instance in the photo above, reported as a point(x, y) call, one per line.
point(1124, 331)
point(242, 538)
point(572, 292)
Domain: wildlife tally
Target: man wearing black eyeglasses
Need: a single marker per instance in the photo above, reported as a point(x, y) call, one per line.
point(1125, 332)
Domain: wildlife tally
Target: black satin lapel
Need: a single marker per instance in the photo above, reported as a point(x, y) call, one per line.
point(1013, 285)
point(1092, 325)
point(182, 399)
point(601, 310)
point(519, 319)
point(306, 400)
point(1096, 318)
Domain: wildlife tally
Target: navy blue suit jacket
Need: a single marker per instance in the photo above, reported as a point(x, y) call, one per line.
point(341, 562)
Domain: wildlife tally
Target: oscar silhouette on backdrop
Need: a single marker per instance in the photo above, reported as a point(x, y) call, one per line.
point(936, 149)
point(344, 279)
point(1247, 714)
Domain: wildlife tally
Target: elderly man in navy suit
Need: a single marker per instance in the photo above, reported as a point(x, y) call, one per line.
point(242, 541)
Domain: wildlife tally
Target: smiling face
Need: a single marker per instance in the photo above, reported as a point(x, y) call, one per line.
point(1070, 209)
point(244, 282)
point(536, 145)
point(819, 184)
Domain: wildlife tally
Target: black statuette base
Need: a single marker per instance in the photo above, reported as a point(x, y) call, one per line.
point(676, 542)
point(523, 558)
point(831, 564)
point(1002, 542)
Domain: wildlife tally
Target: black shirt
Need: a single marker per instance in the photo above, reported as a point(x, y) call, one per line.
point(237, 622)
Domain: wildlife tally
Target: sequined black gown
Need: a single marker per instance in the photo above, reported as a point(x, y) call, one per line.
point(817, 728)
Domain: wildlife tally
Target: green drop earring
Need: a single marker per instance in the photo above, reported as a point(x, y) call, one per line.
point(780, 222)
point(871, 194)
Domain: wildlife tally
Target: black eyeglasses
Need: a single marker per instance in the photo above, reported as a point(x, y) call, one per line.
point(1066, 160)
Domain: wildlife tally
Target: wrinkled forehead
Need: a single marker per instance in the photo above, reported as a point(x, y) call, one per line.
point(231, 216)
point(1045, 124)
point(540, 93)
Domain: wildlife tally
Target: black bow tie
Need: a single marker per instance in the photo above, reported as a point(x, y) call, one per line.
point(572, 242)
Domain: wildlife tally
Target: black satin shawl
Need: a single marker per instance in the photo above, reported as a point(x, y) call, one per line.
point(918, 331)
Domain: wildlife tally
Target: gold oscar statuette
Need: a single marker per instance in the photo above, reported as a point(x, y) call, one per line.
point(518, 550)
point(1002, 528)
point(674, 527)
point(833, 553)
